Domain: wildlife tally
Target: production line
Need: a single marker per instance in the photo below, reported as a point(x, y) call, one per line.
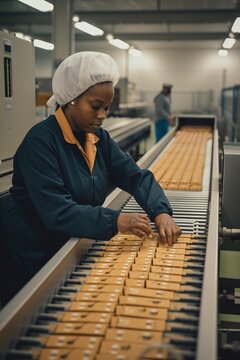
point(128, 298)
point(126, 131)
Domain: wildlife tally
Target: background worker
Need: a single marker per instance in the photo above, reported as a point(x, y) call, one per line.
point(63, 169)
point(163, 116)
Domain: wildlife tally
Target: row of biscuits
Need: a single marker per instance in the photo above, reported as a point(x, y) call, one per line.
point(129, 298)
point(181, 166)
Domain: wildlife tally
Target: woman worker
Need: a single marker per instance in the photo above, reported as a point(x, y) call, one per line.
point(62, 170)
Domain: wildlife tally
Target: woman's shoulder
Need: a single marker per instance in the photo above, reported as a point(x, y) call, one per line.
point(102, 134)
point(44, 129)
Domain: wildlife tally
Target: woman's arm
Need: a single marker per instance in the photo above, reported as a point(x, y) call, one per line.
point(54, 204)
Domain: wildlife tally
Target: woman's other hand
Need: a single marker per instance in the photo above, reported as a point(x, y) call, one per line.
point(168, 230)
point(134, 223)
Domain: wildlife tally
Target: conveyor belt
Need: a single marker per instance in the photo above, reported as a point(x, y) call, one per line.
point(6, 167)
point(174, 312)
point(127, 131)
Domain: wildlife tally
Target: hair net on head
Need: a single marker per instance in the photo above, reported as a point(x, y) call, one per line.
point(80, 71)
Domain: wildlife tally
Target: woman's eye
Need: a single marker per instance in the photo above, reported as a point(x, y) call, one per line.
point(96, 107)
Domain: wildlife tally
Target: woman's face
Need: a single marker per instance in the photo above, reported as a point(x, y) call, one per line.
point(90, 109)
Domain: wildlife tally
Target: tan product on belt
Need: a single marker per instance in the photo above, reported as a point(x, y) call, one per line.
point(91, 296)
point(142, 312)
point(144, 301)
point(78, 329)
point(60, 354)
point(104, 280)
point(136, 336)
point(138, 324)
point(85, 317)
point(102, 288)
point(127, 350)
point(92, 306)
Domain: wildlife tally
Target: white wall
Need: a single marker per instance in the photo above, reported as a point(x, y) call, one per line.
point(189, 70)
point(44, 63)
point(189, 67)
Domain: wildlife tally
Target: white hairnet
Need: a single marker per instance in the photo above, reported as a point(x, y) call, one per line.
point(80, 71)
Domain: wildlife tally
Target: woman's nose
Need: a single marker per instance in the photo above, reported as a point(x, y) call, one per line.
point(101, 114)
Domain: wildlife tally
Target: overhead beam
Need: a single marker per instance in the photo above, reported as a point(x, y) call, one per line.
point(146, 36)
point(129, 17)
point(160, 16)
point(162, 36)
point(25, 18)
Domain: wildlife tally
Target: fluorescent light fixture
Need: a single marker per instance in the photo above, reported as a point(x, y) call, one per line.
point(28, 38)
point(19, 35)
point(119, 43)
point(88, 28)
point(43, 44)
point(22, 36)
point(222, 52)
point(41, 5)
point(228, 43)
point(236, 26)
point(134, 52)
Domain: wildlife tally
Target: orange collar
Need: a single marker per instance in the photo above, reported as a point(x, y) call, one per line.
point(89, 151)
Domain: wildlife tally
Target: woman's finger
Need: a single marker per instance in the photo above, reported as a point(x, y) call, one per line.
point(169, 236)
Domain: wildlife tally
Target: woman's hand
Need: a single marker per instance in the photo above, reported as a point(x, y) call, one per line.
point(167, 228)
point(134, 223)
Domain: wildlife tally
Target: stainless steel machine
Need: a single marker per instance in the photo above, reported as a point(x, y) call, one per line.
point(229, 274)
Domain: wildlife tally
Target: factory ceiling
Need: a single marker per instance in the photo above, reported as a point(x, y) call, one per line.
point(132, 20)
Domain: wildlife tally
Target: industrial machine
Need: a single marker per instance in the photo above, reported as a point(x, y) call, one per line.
point(174, 291)
point(229, 274)
point(17, 102)
point(230, 106)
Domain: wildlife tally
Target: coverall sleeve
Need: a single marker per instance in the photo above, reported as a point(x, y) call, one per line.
point(52, 201)
point(161, 112)
point(140, 183)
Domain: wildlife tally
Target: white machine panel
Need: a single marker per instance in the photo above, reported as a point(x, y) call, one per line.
point(17, 92)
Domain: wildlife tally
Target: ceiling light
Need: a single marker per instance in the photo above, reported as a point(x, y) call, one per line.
point(28, 38)
point(19, 35)
point(43, 44)
point(222, 52)
point(236, 25)
point(41, 5)
point(134, 52)
point(88, 28)
point(228, 43)
point(119, 43)
point(75, 18)
point(109, 37)
point(22, 36)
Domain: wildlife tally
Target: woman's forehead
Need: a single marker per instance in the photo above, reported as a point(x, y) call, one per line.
point(100, 90)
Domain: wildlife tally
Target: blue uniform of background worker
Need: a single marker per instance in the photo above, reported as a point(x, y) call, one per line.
point(62, 172)
point(163, 116)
